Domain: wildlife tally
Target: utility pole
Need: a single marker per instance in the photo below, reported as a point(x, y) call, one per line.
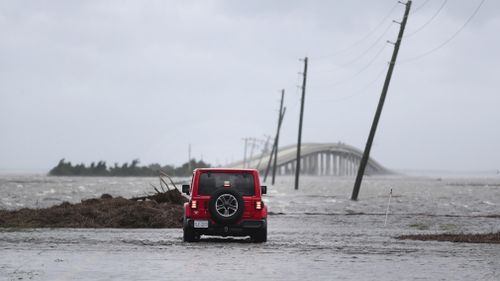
point(371, 136)
point(264, 151)
point(278, 136)
point(269, 162)
point(245, 152)
point(275, 147)
point(189, 159)
point(253, 143)
point(299, 142)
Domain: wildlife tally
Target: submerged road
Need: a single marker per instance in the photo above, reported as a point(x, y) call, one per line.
point(315, 247)
point(314, 234)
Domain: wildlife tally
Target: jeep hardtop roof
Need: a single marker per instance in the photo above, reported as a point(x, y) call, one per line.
point(229, 170)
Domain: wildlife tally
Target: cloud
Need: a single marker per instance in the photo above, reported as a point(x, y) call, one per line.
point(117, 80)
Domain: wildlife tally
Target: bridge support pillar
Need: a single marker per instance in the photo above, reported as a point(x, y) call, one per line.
point(335, 165)
point(321, 164)
point(350, 166)
point(356, 165)
point(312, 164)
point(347, 166)
point(342, 165)
point(308, 161)
point(339, 165)
point(309, 164)
point(353, 165)
point(332, 163)
point(316, 164)
point(327, 163)
point(303, 165)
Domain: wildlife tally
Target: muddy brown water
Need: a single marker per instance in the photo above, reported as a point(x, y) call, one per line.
point(315, 233)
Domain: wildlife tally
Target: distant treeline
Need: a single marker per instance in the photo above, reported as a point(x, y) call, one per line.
point(125, 170)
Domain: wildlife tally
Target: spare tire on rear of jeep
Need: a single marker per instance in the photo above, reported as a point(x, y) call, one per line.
point(226, 205)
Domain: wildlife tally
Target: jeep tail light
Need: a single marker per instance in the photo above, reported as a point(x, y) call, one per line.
point(194, 204)
point(258, 205)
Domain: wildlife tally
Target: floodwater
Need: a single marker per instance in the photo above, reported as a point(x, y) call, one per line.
point(315, 233)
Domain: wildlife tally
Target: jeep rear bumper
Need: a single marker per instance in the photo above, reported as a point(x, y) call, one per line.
point(243, 228)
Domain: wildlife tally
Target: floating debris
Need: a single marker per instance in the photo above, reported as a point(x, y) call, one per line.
point(160, 210)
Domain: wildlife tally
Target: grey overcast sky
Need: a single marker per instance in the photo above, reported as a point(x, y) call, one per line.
point(119, 80)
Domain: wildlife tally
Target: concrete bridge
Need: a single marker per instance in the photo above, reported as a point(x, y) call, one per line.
point(333, 159)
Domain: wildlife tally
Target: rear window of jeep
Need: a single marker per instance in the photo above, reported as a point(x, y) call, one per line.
point(242, 182)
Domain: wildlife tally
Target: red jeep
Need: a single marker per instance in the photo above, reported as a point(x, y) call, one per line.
point(225, 202)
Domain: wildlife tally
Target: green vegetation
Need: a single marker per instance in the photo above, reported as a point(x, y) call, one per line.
point(420, 226)
point(125, 170)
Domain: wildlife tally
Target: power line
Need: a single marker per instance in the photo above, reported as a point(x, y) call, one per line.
point(364, 52)
point(428, 21)
point(419, 7)
point(370, 62)
point(297, 91)
point(361, 70)
point(356, 93)
point(371, 46)
point(355, 43)
point(444, 43)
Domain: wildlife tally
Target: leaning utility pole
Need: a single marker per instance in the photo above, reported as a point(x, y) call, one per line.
point(275, 146)
point(269, 161)
point(252, 147)
point(189, 159)
point(264, 151)
point(245, 152)
point(299, 142)
point(371, 136)
point(278, 136)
